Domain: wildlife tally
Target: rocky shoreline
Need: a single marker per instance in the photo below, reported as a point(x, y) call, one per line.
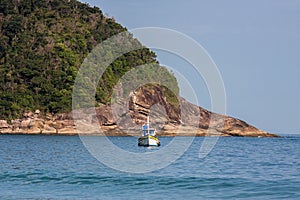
point(184, 120)
point(59, 125)
point(33, 123)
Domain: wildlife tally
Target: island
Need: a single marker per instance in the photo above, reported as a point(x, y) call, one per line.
point(42, 46)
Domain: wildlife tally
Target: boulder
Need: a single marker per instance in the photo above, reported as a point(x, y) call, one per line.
point(48, 130)
point(3, 124)
point(25, 123)
point(28, 114)
point(67, 131)
point(34, 130)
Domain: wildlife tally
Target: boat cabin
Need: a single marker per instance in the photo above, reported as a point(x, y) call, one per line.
point(151, 131)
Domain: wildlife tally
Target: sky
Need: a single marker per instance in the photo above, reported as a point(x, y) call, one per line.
point(255, 45)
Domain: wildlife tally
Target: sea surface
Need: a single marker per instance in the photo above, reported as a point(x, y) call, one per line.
point(60, 167)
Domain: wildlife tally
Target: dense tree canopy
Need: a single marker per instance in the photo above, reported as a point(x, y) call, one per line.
point(42, 45)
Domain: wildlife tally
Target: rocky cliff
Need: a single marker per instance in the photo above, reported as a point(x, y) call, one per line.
point(125, 117)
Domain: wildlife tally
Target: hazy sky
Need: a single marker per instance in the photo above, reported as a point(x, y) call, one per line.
point(255, 44)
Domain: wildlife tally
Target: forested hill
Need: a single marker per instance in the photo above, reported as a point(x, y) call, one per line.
point(42, 45)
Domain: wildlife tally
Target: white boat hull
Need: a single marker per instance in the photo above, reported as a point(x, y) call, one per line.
point(148, 141)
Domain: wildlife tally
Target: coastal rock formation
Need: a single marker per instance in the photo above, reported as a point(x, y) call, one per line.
point(126, 116)
point(36, 124)
point(180, 118)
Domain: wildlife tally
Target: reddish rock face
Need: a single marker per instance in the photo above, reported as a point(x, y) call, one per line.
point(144, 98)
point(179, 118)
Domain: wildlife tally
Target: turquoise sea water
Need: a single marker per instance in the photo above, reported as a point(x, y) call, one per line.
point(59, 167)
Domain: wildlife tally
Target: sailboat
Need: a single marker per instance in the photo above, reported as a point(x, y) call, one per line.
point(149, 137)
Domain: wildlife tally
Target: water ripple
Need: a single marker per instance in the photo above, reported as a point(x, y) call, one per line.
point(58, 167)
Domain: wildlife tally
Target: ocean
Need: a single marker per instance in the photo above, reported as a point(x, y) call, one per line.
point(60, 167)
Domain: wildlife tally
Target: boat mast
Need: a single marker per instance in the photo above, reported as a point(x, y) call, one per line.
point(148, 124)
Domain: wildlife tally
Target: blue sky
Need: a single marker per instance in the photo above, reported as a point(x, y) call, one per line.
point(255, 44)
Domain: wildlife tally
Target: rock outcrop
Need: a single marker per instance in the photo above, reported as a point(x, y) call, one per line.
point(179, 118)
point(33, 123)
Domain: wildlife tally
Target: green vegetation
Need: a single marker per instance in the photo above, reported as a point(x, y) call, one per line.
point(42, 45)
